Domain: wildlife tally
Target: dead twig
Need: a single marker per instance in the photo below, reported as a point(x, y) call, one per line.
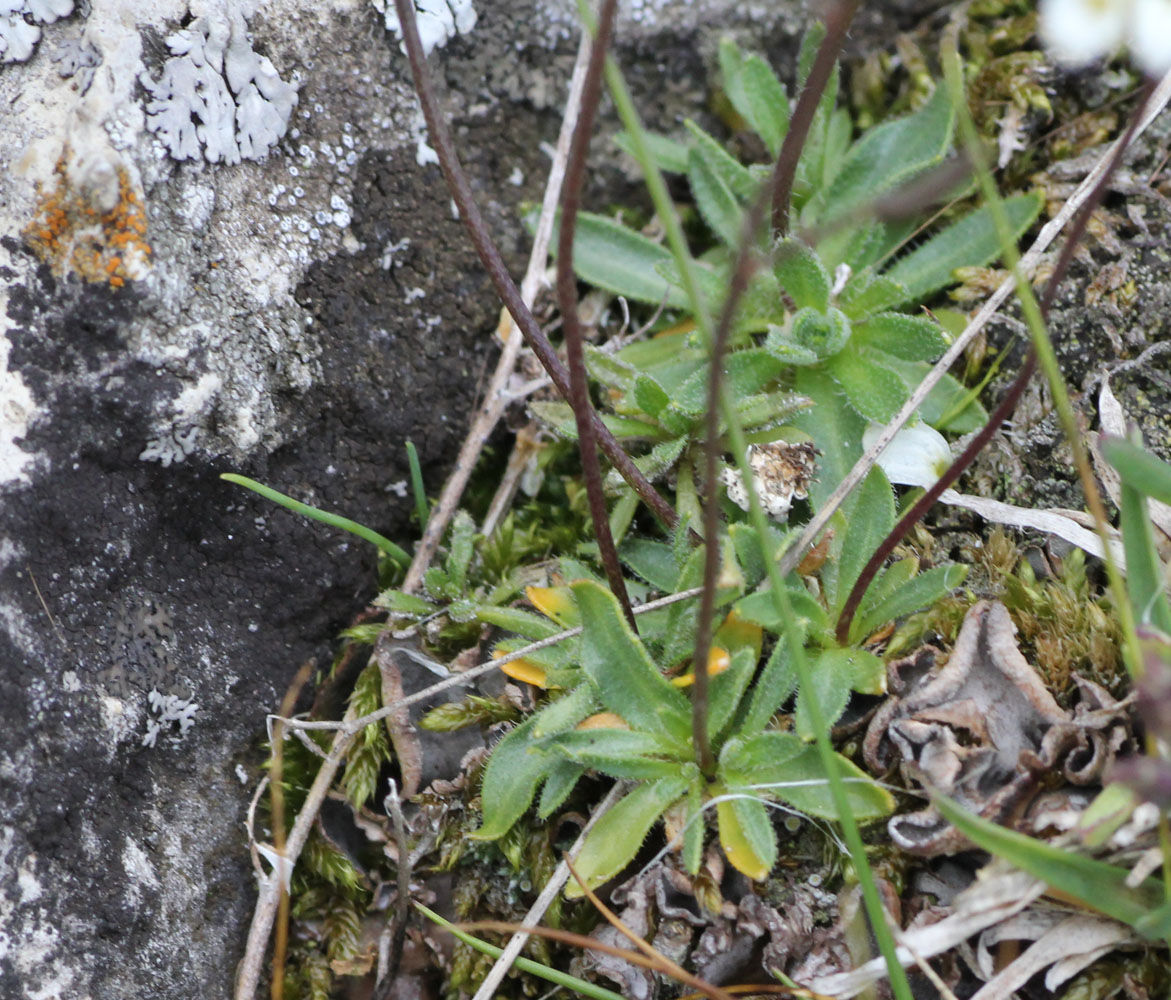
point(497, 398)
point(493, 263)
point(579, 390)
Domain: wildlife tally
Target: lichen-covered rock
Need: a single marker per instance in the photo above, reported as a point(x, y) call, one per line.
point(223, 248)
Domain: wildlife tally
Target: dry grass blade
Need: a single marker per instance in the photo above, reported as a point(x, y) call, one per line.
point(655, 964)
point(536, 912)
point(614, 921)
point(766, 989)
point(280, 949)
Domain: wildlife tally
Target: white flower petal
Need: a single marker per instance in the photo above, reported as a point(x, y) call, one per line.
point(917, 456)
point(1079, 31)
point(1150, 36)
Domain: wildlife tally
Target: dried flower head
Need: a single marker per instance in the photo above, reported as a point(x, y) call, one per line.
point(781, 473)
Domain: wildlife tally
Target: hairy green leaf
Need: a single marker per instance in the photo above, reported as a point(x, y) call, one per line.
point(622, 753)
point(912, 338)
point(721, 164)
point(971, 242)
point(801, 274)
point(869, 514)
point(609, 255)
point(653, 561)
point(626, 679)
point(893, 153)
point(615, 839)
point(513, 773)
point(756, 94)
point(834, 673)
point(714, 199)
point(921, 592)
point(866, 293)
point(872, 388)
point(833, 425)
point(669, 155)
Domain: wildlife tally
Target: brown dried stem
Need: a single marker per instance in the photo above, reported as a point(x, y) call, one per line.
point(837, 21)
point(579, 392)
point(506, 289)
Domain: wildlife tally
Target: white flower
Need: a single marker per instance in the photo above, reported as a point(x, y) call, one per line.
point(1078, 32)
point(917, 456)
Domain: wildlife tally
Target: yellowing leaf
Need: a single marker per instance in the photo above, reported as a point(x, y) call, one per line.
point(556, 603)
point(736, 633)
point(747, 837)
point(603, 720)
point(718, 661)
point(523, 670)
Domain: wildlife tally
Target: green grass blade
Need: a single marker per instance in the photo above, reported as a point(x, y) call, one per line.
point(422, 509)
point(524, 964)
point(1144, 572)
point(383, 543)
point(1098, 885)
point(1139, 468)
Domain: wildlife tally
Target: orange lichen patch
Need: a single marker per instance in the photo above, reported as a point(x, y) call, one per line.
point(74, 234)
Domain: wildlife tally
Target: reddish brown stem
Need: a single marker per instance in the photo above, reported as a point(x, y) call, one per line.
point(506, 289)
point(1001, 413)
point(837, 21)
point(579, 392)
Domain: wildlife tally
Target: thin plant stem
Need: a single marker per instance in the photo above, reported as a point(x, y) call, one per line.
point(384, 988)
point(1035, 314)
point(556, 883)
point(657, 964)
point(851, 833)
point(925, 502)
point(579, 392)
point(561, 979)
point(506, 289)
point(837, 21)
point(497, 397)
point(1041, 353)
point(741, 273)
point(665, 210)
point(277, 800)
point(655, 184)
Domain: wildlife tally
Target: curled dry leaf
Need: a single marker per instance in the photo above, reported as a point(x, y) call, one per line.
point(1064, 944)
point(1113, 420)
point(422, 756)
point(739, 942)
point(983, 729)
